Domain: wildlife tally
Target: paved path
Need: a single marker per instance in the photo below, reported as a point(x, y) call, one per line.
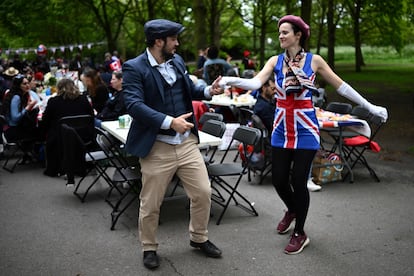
point(364, 228)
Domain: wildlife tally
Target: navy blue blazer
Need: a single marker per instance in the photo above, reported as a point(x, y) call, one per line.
point(144, 98)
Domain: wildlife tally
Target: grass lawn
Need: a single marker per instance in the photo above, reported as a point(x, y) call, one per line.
point(385, 69)
point(377, 77)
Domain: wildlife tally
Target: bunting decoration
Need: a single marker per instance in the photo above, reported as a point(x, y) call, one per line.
point(53, 49)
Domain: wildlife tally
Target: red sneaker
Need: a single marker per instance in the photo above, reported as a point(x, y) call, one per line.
point(297, 243)
point(284, 224)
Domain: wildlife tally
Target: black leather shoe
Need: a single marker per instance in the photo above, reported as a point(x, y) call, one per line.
point(151, 260)
point(208, 248)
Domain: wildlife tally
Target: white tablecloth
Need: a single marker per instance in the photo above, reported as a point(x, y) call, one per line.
point(122, 133)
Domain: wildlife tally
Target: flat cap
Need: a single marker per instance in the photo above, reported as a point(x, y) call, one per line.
point(160, 28)
point(297, 21)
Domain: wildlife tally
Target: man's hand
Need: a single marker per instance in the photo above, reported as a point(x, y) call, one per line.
point(215, 88)
point(180, 123)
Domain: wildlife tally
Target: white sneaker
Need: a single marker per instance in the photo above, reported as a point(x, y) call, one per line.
point(312, 186)
point(70, 186)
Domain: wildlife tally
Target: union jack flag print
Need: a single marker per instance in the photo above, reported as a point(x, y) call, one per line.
point(295, 125)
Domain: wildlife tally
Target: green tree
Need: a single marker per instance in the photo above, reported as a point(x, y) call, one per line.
point(306, 11)
point(265, 19)
point(200, 26)
point(109, 16)
point(233, 24)
point(334, 14)
point(28, 22)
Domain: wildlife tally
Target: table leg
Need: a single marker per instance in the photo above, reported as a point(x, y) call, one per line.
point(342, 156)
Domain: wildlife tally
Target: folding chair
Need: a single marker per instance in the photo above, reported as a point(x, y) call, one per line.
point(355, 147)
point(124, 172)
point(338, 107)
point(235, 111)
point(218, 172)
point(211, 116)
point(335, 107)
point(15, 149)
point(245, 116)
point(240, 115)
point(78, 136)
point(212, 127)
point(215, 128)
point(265, 146)
point(199, 108)
point(360, 113)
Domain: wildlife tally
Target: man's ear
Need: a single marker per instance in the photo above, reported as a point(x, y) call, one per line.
point(159, 41)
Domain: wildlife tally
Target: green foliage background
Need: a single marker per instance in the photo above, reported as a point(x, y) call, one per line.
point(233, 24)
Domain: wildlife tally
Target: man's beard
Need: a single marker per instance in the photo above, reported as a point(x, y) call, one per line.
point(166, 55)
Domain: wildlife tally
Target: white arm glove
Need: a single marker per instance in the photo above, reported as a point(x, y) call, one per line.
point(348, 92)
point(247, 84)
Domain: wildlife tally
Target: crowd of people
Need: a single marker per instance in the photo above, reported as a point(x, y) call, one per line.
point(36, 95)
point(163, 133)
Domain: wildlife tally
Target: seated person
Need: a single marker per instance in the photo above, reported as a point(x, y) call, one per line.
point(265, 104)
point(68, 102)
point(33, 90)
point(214, 66)
point(21, 115)
point(96, 88)
point(114, 106)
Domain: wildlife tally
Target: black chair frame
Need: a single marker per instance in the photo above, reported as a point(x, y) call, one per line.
point(218, 173)
point(124, 172)
point(355, 154)
point(97, 159)
point(264, 146)
point(13, 148)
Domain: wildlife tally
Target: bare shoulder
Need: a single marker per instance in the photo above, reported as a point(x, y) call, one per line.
point(270, 64)
point(320, 66)
point(273, 59)
point(318, 61)
point(267, 70)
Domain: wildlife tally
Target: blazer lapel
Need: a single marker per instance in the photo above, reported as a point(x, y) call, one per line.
point(181, 70)
point(157, 77)
point(158, 81)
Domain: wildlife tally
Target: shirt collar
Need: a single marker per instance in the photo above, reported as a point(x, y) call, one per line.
point(153, 62)
point(151, 59)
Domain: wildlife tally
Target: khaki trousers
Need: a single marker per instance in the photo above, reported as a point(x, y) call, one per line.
point(158, 169)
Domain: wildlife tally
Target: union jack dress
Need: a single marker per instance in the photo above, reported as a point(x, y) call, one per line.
point(295, 125)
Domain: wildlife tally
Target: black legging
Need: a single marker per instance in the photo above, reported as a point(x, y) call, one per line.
point(295, 193)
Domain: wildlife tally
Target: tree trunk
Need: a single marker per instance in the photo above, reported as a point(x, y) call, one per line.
point(359, 60)
point(151, 9)
point(261, 8)
point(289, 6)
point(305, 12)
point(321, 26)
point(200, 26)
point(331, 34)
point(214, 24)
